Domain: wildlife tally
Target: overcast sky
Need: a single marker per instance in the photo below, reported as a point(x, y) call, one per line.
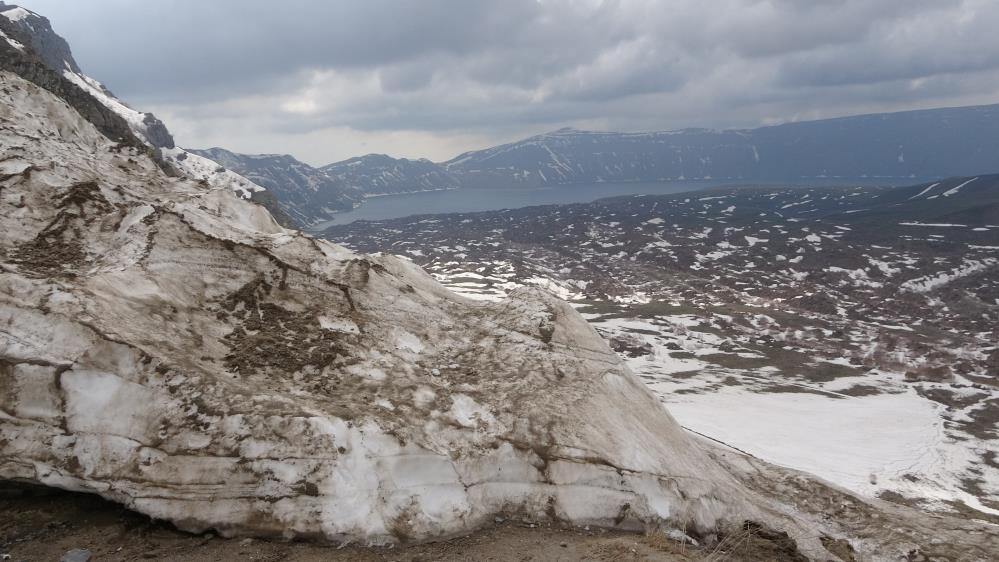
point(326, 80)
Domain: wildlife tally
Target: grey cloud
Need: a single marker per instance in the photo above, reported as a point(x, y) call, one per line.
point(298, 67)
point(923, 47)
point(144, 48)
point(779, 27)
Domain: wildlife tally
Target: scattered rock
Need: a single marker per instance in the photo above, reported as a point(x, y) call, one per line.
point(841, 548)
point(75, 555)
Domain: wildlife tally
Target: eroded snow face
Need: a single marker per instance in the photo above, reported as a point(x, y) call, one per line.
point(171, 348)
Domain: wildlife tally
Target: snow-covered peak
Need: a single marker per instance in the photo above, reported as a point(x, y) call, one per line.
point(137, 120)
point(16, 13)
point(35, 31)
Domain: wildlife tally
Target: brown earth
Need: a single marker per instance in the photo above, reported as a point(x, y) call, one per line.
point(39, 524)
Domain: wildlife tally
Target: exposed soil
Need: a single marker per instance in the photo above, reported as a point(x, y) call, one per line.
point(39, 524)
point(57, 249)
point(862, 390)
point(273, 337)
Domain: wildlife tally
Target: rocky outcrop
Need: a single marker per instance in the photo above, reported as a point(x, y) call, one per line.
point(29, 66)
point(157, 132)
point(45, 58)
point(36, 30)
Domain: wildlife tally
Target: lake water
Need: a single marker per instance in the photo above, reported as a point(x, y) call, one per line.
point(471, 200)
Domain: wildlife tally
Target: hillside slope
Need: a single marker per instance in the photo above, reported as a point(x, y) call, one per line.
point(846, 331)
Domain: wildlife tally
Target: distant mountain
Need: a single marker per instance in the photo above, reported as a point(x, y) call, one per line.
point(378, 174)
point(906, 146)
point(913, 144)
point(312, 195)
point(306, 194)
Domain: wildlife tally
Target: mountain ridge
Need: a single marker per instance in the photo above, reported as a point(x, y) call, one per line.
point(901, 147)
point(305, 193)
point(916, 144)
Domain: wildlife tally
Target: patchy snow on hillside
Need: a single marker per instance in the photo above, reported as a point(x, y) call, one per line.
point(135, 119)
point(11, 42)
point(201, 168)
point(931, 282)
point(924, 191)
point(954, 190)
point(887, 439)
point(191, 165)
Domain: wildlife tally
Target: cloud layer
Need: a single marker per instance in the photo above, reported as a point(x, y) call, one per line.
point(328, 80)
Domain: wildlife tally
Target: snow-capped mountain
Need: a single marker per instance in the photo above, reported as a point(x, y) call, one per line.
point(312, 195)
point(378, 174)
point(31, 35)
point(306, 194)
point(913, 144)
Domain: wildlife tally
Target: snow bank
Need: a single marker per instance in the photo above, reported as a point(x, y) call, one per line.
point(208, 374)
